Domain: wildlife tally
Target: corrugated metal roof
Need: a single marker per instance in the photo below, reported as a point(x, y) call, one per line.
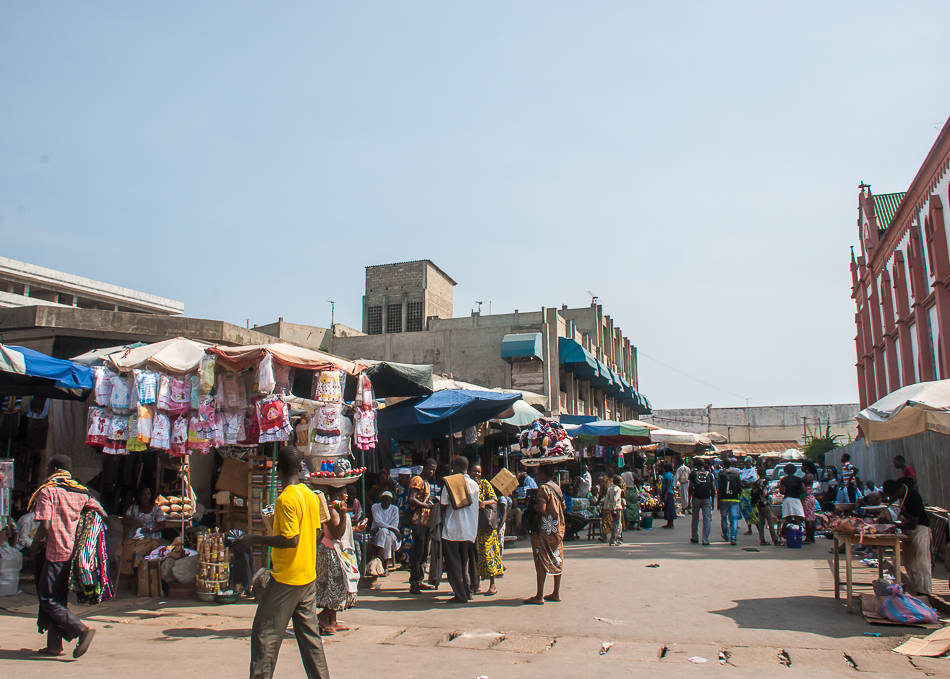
point(885, 207)
point(759, 447)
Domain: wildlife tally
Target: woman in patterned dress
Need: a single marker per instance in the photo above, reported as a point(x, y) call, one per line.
point(337, 570)
point(487, 546)
point(547, 538)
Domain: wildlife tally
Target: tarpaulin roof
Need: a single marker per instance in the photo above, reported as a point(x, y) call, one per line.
point(610, 433)
point(442, 413)
point(243, 357)
point(25, 372)
point(524, 415)
point(521, 345)
point(394, 379)
point(179, 355)
point(441, 383)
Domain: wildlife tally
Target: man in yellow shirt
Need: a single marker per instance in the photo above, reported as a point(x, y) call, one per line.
point(290, 594)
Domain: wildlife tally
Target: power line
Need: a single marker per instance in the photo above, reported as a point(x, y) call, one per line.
point(700, 380)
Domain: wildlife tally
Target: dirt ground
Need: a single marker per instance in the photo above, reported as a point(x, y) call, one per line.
point(697, 601)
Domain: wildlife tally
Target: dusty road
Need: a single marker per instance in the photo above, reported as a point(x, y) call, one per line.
point(698, 600)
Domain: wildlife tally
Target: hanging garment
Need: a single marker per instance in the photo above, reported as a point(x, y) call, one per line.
point(115, 448)
point(194, 385)
point(326, 425)
point(89, 570)
point(365, 428)
point(199, 435)
point(233, 426)
point(102, 385)
point(118, 427)
point(161, 432)
point(266, 381)
point(231, 391)
point(119, 395)
point(206, 373)
point(146, 386)
point(179, 438)
point(97, 425)
point(281, 378)
point(146, 417)
point(206, 409)
point(273, 419)
point(365, 397)
point(134, 445)
point(327, 387)
point(218, 436)
point(252, 429)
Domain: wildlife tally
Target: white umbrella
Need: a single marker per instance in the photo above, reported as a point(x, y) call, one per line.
point(683, 438)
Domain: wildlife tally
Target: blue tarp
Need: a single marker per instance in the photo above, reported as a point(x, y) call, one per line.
point(521, 345)
point(45, 376)
point(442, 413)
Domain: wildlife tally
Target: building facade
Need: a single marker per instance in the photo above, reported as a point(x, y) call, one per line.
point(23, 284)
point(901, 281)
point(403, 296)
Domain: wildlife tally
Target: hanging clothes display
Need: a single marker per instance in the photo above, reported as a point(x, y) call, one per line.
point(328, 387)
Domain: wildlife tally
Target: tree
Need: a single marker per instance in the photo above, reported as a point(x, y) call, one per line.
point(819, 442)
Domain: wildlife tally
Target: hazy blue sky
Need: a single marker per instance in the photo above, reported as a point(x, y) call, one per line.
point(695, 165)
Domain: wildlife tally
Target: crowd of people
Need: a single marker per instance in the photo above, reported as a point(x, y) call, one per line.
point(453, 521)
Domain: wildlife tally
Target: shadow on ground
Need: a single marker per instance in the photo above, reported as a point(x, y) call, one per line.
point(198, 632)
point(823, 616)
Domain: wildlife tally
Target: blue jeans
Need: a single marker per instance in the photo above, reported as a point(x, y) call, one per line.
point(703, 507)
point(617, 527)
point(729, 511)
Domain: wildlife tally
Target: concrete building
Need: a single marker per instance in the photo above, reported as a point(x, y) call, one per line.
point(23, 284)
point(763, 428)
point(901, 280)
point(402, 297)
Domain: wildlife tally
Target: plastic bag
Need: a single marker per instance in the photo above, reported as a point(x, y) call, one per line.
point(902, 607)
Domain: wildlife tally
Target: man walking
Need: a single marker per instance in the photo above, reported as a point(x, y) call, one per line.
point(703, 488)
point(727, 495)
point(291, 592)
point(420, 514)
point(682, 482)
point(57, 505)
point(459, 528)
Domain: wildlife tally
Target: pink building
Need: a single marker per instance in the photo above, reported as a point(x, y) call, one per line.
point(901, 280)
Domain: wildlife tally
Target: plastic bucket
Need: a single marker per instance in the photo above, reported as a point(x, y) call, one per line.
point(646, 522)
point(794, 537)
point(11, 561)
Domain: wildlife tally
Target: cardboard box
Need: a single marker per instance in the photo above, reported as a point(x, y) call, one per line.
point(233, 477)
point(505, 482)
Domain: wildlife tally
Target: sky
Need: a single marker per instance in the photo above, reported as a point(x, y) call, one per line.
point(694, 165)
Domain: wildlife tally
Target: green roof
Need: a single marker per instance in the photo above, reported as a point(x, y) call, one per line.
point(885, 207)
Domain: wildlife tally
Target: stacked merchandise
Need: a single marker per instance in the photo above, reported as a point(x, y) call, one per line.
point(545, 442)
point(214, 560)
point(333, 424)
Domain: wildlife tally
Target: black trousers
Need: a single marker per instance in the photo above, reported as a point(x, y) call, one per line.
point(420, 553)
point(280, 604)
point(436, 563)
point(457, 556)
point(54, 618)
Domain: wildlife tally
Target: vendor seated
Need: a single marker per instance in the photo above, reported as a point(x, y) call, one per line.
point(387, 536)
point(142, 527)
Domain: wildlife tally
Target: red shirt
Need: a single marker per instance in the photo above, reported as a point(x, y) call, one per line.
point(908, 472)
point(61, 508)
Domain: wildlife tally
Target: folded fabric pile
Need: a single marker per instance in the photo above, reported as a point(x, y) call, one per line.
point(545, 438)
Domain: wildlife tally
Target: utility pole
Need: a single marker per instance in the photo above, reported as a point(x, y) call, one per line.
point(332, 314)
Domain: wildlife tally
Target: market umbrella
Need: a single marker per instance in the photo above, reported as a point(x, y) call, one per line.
point(524, 415)
point(682, 438)
point(180, 355)
point(442, 413)
point(907, 411)
point(610, 433)
point(25, 372)
point(98, 356)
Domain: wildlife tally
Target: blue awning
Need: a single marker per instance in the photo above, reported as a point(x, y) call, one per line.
point(576, 419)
point(576, 358)
point(443, 413)
point(521, 345)
point(25, 372)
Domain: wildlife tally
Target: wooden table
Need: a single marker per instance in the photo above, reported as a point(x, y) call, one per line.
point(880, 542)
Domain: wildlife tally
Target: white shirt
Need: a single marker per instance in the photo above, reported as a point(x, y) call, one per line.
point(460, 525)
point(583, 487)
point(529, 482)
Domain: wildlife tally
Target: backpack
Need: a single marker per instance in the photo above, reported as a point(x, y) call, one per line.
point(703, 485)
point(730, 485)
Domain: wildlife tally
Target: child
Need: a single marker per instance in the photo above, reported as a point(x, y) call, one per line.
point(809, 505)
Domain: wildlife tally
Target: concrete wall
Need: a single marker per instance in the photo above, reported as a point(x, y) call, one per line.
point(310, 336)
point(398, 284)
point(761, 423)
point(926, 453)
point(439, 294)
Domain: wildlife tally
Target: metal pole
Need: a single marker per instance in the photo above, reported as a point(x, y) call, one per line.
point(270, 489)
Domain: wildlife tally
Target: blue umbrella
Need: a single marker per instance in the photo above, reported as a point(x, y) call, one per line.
point(25, 372)
point(443, 413)
point(610, 433)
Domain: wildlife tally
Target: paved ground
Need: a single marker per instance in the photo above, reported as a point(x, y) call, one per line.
point(698, 601)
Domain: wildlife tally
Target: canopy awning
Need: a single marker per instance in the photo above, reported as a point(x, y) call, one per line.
point(442, 413)
point(243, 357)
point(521, 345)
point(682, 438)
point(25, 372)
point(98, 356)
point(180, 355)
point(610, 433)
point(576, 358)
point(524, 415)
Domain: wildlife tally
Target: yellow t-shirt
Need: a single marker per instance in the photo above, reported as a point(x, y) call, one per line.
point(296, 512)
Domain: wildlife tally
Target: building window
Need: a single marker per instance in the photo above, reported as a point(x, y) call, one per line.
point(914, 351)
point(374, 320)
point(414, 317)
point(394, 318)
point(934, 339)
